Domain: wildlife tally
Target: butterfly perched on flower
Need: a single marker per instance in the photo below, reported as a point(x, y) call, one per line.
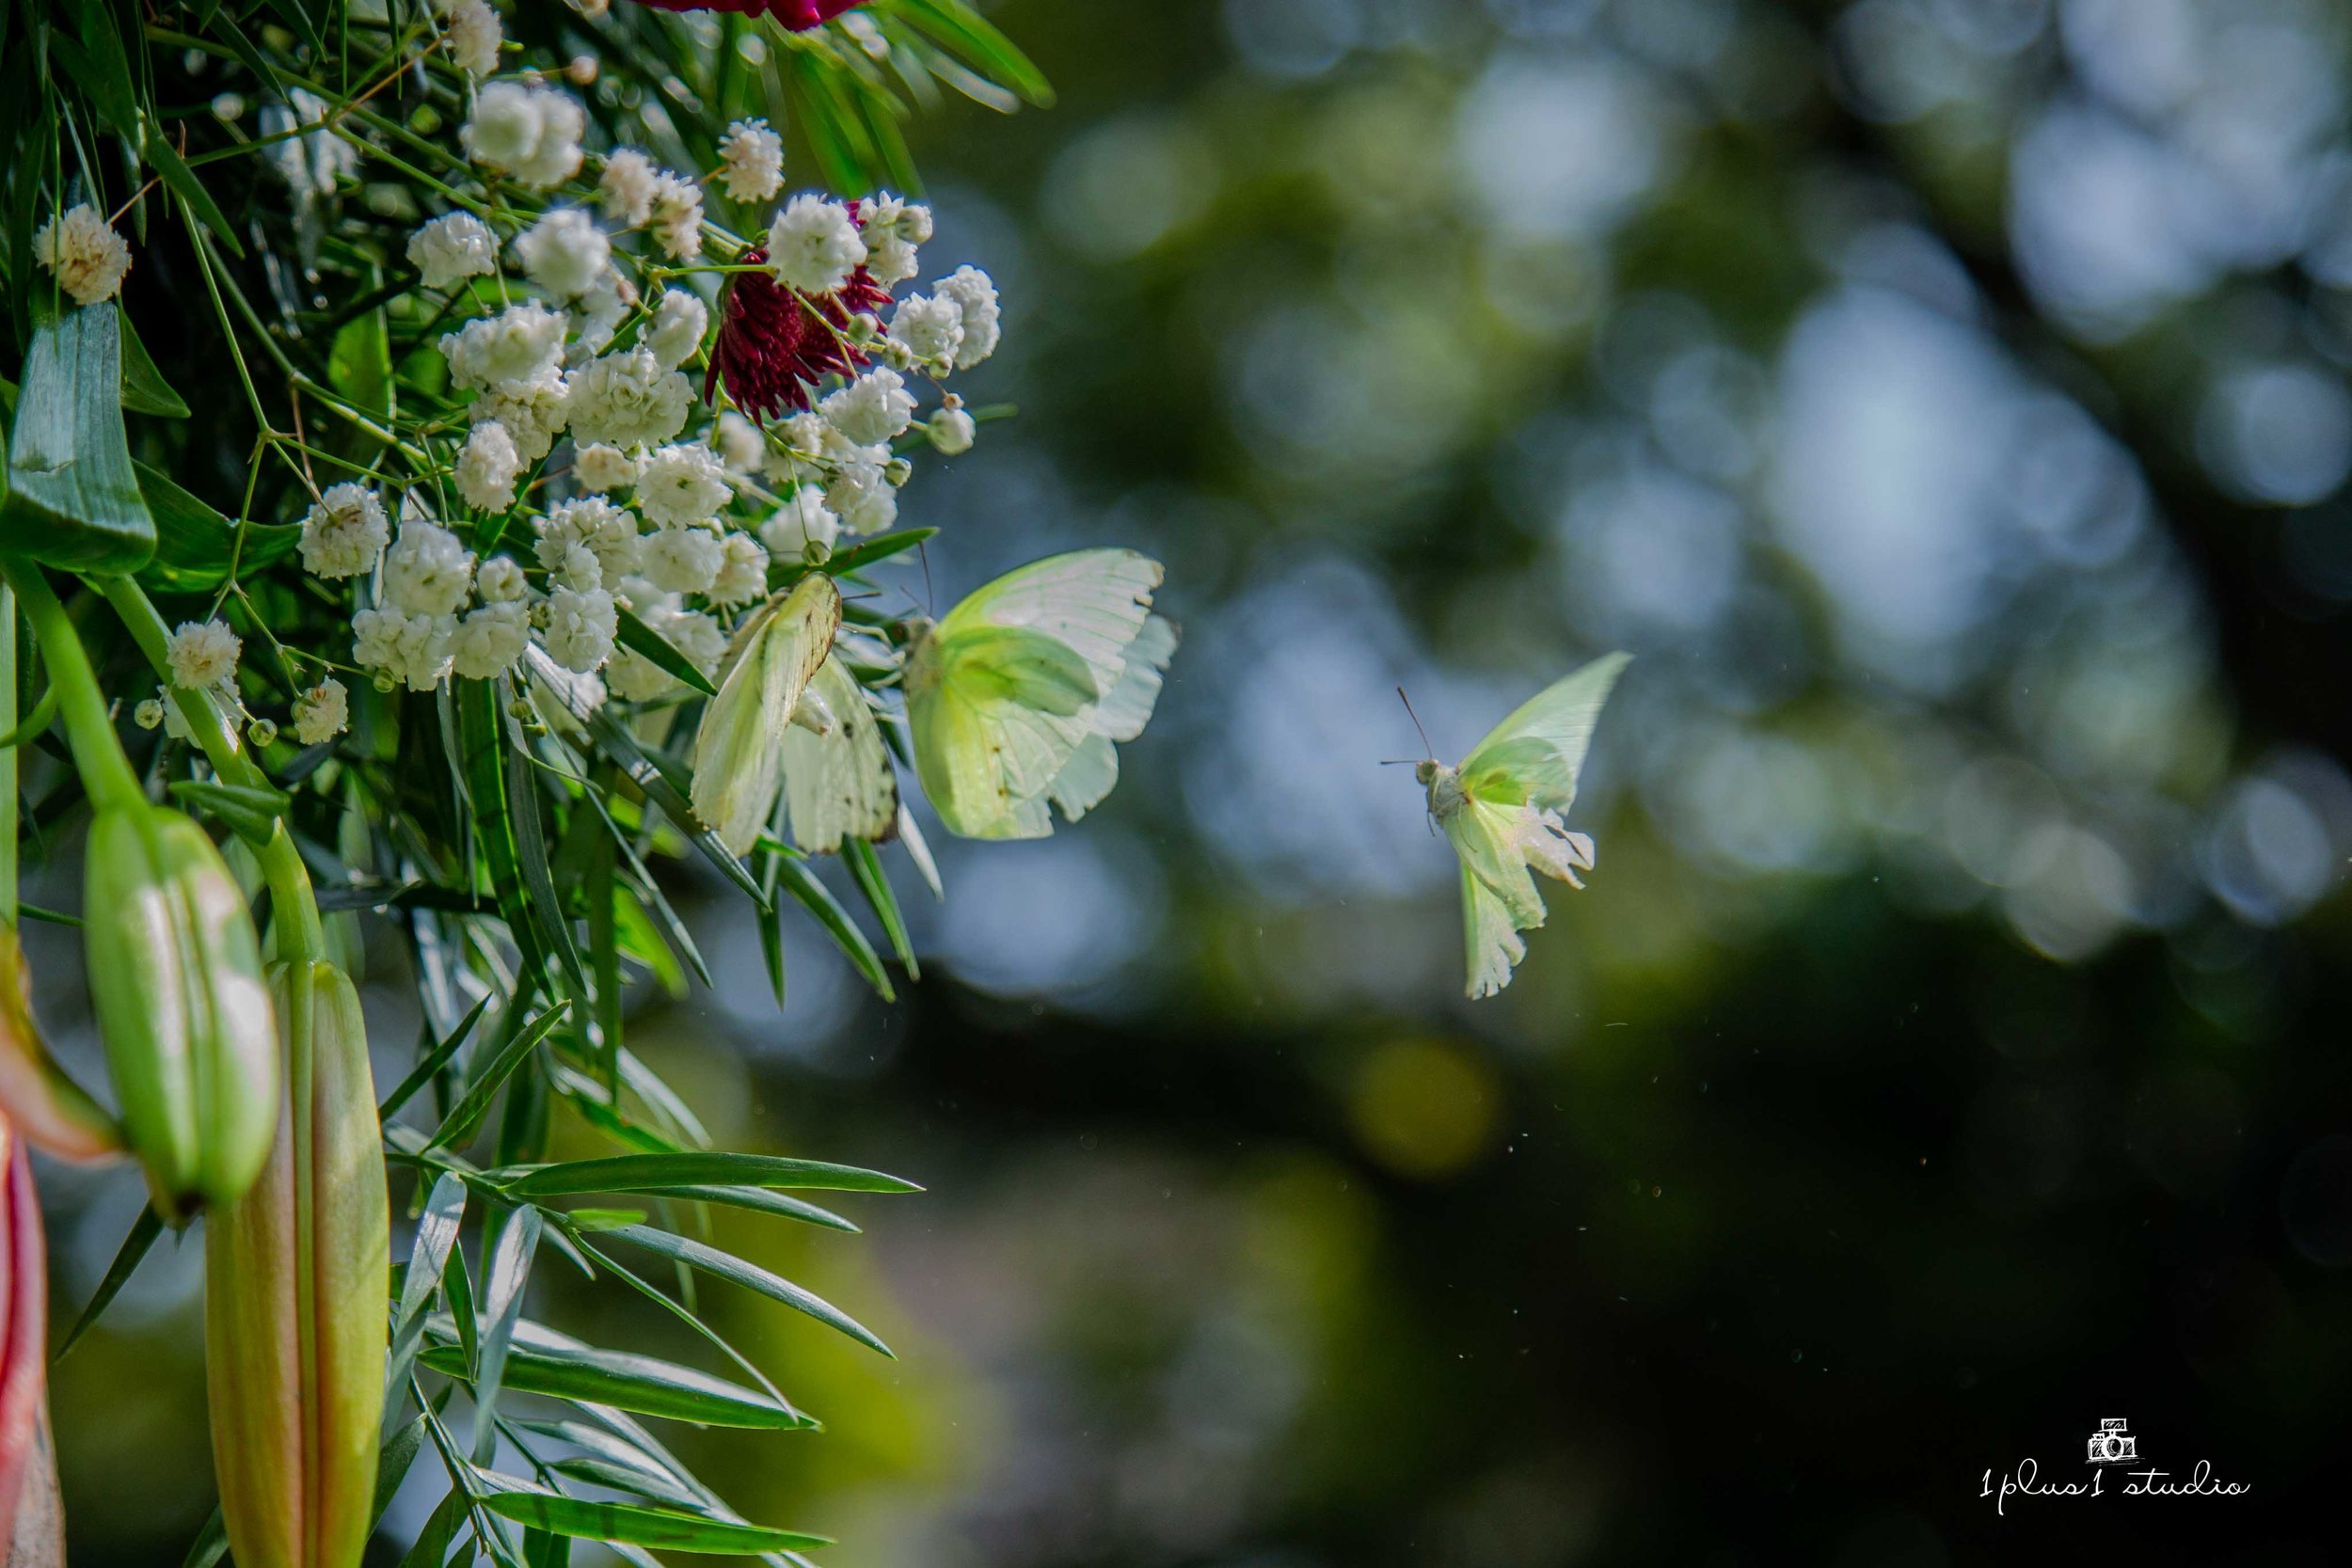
point(798, 15)
point(1501, 812)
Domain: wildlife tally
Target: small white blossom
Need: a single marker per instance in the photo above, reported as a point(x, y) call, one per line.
point(635, 678)
point(84, 251)
point(862, 497)
point(629, 400)
point(321, 713)
point(976, 297)
point(930, 328)
point(606, 532)
point(750, 161)
point(741, 447)
point(500, 580)
point(892, 230)
point(475, 35)
point(556, 157)
point(572, 566)
point(600, 467)
point(428, 571)
point(873, 409)
point(517, 344)
point(344, 533)
point(743, 572)
point(533, 410)
point(581, 628)
point(676, 332)
point(565, 252)
point(452, 249)
point(488, 642)
point(531, 133)
point(951, 429)
point(803, 521)
point(813, 246)
point(626, 189)
point(202, 654)
point(681, 484)
point(599, 315)
point(488, 466)
point(681, 560)
point(409, 648)
point(677, 217)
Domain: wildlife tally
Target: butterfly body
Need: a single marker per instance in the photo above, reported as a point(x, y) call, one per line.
point(1502, 811)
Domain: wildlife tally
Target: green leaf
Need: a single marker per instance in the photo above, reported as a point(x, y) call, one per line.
point(977, 40)
point(544, 1362)
point(724, 1265)
point(795, 877)
point(866, 553)
point(437, 1238)
point(196, 545)
point(864, 864)
point(761, 1200)
point(653, 1173)
point(431, 1063)
point(73, 499)
point(143, 1234)
point(633, 1524)
point(253, 812)
point(359, 365)
point(476, 1099)
point(441, 1530)
point(513, 1238)
point(144, 388)
point(210, 1546)
point(645, 639)
point(191, 191)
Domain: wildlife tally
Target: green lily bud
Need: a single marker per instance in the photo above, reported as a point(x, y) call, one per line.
point(176, 974)
point(296, 1274)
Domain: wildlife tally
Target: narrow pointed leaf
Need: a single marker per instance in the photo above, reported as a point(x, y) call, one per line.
point(724, 1265)
point(651, 1173)
point(633, 1523)
point(73, 499)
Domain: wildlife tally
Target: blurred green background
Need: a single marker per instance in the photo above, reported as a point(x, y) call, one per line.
point(1945, 401)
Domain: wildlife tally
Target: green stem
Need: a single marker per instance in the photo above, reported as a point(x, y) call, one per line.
point(8, 758)
point(89, 728)
point(300, 937)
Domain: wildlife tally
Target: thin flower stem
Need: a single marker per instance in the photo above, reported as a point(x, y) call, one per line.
point(301, 935)
point(90, 727)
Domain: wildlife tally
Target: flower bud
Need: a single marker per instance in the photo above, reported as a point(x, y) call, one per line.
point(296, 1278)
point(23, 1332)
point(176, 975)
point(48, 1107)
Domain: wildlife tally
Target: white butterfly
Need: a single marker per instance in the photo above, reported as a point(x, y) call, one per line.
point(1502, 809)
point(837, 779)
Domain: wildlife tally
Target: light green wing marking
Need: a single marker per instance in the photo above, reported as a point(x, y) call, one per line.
point(838, 785)
point(1093, 767)
point(1493, 945)
point(738, 751)
point(1023, 676)
point(1536, 753)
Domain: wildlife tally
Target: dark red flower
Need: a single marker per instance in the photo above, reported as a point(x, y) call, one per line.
point(773, 347)
point(799, 15)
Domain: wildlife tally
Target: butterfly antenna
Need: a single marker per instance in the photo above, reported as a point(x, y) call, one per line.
point(1432, 751)
point(923, 553)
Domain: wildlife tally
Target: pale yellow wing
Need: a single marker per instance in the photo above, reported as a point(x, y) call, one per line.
point(738, 751)
point(839, 784)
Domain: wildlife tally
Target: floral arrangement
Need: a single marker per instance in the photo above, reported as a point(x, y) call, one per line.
point(532, 526)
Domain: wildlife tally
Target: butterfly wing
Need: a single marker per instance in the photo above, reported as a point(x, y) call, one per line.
point(739, 753)
point(1011, 684)
point(1093, 767)
point(838, 785)
point(1536, 753)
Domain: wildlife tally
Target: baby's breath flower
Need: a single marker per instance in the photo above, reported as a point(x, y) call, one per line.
point(202, 654)
point(475, 35)
point(500, 580)
point(681, 560)
point(626, 189)
point(892, 229)
point(861, 495)
point(951, 429)
point(530, 133)
point(452, 249)
point(398, 647)
point(930, 329)
point(580, 628)
point(873, 409)
point(84, 253)
point(608, 532)
point(600, 467)
point(343, 533)
point(677, 217)
point(321, 712)
point(803, 521)
point(750, 161)
point(743, 572)
point(488, 466)
point(681, 486)
point(629, 400)
point(488, 642)
point(533, 410)
point(517, 343)
point(975, 295)
point(741, 447)
point(565, 252)
point(813, 246)
point(428, 571)
point(677, 330)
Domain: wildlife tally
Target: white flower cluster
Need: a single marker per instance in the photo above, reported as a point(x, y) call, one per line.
point(84, 253)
